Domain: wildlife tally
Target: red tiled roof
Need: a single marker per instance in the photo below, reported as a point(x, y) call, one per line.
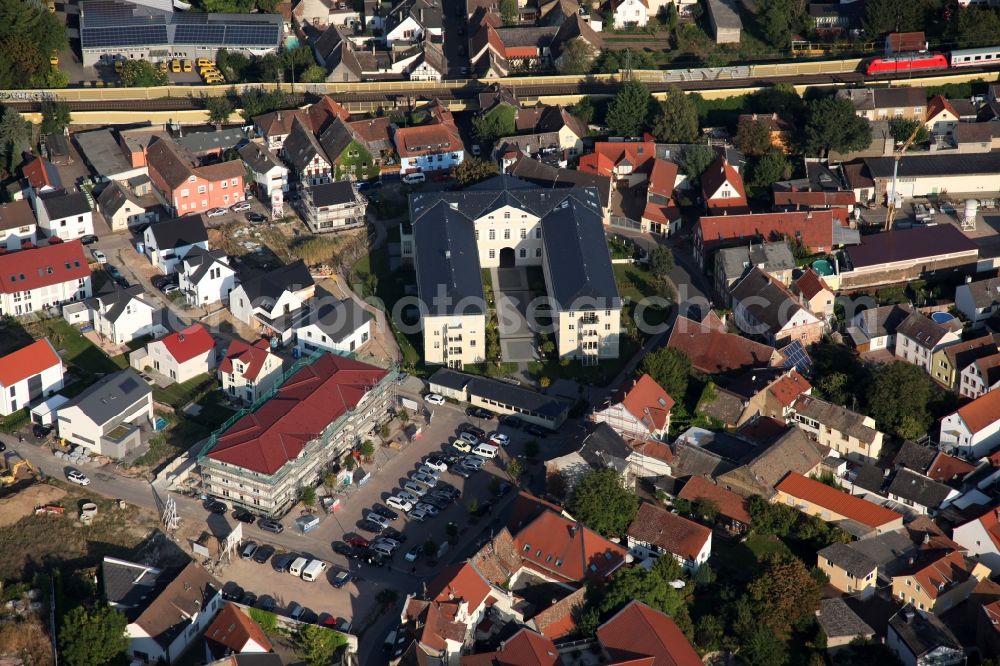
point(27, 362)
point(789, 387)
point(36, 173)
point(648, 402)
point(558, 620)
point(639, 631)
point(813, 228)
point(427, 139)
point(652, 449)
point(945, 468)
point(662, 178)
point(526, 508)
point(837, 501)
point(234, 629)
point(982, 411)
point(265, 440)
point(565, 549)
point(43, 266)
point(193, 341)
point(991, 523)
point(730, 504)
point(607, 155)
point(674, 534)
point(323, 111)
point(525, 648)
point(949, 568)
point(714, 351)
point(992, 610)
point(459, 582)
point(810, 198)
point(939, 104)
point(721, 171)
point(252, 357)
point(810, 284)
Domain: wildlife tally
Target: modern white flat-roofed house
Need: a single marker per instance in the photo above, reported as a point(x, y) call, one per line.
point(30, 373)
point(63, 214)
point(248, 371)
point(179, 356)
point(31, 280)
point(342, 327)
point(506, 222)
point(108, 417)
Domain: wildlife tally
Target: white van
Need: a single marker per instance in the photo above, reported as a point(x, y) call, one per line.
point(486, 451)
point(414, 178)
point(297, 566)
point(313, 570)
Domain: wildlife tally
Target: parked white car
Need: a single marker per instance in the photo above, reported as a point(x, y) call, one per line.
point(78, 478)
point(434, 399)
point(414, 488)
point(499, 439)
point(435, 464)
point(217, 212)
point(400, 504)
point(99, 256)
point(241, 207)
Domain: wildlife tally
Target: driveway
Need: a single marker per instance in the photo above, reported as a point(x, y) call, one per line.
point(517, 339)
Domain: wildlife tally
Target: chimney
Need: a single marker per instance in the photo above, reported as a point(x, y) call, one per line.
point(447, 254)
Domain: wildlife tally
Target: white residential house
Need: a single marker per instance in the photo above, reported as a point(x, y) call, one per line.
point(122, 208)
point(342, 327)
point(179, 356)
point(656, 532)
point(272, 303)
point(123, 315)
point(205, 277)
point(978, 301)
point(302, 152)
point(17, 224)
point(28, 374)
point(110, 416)
point(875, 328)
point(980, 377)
point(270, 176)
point(980, 537)
point(410, 21)
point(639, 411)
point(630, 13)
point(166, 243)
point(248, 371)
point(433, 146)
point(64, 214)
point(974, 429)
point(850, 434)
point(919, 336)
point(39, 278)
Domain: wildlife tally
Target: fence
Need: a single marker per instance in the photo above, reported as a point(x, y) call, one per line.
point(625, 223)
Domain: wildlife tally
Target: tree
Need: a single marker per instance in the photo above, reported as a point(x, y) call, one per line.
point(472, 506)
point(670, 368)
point(780, 19)
point(255, 101)
point(783, 593)
point(753, 137)
point(308, 495)
point(583, 110)
point(602, 503)
point(652, 587)
point(706, 509)
point(29, 34)
point(628, 111)
point(55, 117)
point(781, 98)
point(903, 128)
point(661, 263)
point(142, 74)
point(770, 167)
point(313, 74)
point(367, 449)
point(219, 109)
point(883, 16)
point(975, 26)
point(677, 118)
point(695, 160)
point(531, 449)
point(317, 644)
point(509, 12)
point(832, 124)
point(473, 170)
point(555, 485)
point(15, 137)
point(611, 62)
point(92, 638)
point(770, 519)
point(577, 57)
point(430, 548)
point(515, 469)
point(764, 649)
point(495, 123)
point(897, 398)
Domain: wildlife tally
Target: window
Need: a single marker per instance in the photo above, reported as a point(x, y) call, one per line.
point(538, 251)
point(538, 232)
point(524, 233)
point(185, 192)
point(506, 215)
point(524, 252)
point(493, 254)
point(202, 189)
point(506, 234)
point(493, 234)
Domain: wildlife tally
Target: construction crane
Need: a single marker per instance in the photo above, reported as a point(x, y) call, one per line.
point(898, 155)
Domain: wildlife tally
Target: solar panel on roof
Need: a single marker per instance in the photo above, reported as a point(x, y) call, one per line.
point(128, 385)
point(797, 357)
point(199, 34)
point(123, 36)
point(248, 35)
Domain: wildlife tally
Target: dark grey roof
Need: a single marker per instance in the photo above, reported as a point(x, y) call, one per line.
point(868, 99)
point(839, 621)
point(116, 195)
point(766, 300)
point(333, 194)
point(753, 381)
point(128, 586)
point(855, 563)
point(936, 165)
point(179, 232)
point(917, 457)
point(114, 302)
point(733, 262)
point(527, 400)
point(446, 258)
point(335, 139)
point(455, 381)
point(923, 330)
point(601, 446)
point(547, 175)
point(301, 146)
point(910, 244)
point(870, 477)
point(692, 460)
point(110, 396)
point(198, 261)
point(61, 203)
point(919, 489)
point(202, 142)
point(984, 293)
point(539, 36)
point(837, 417)
point(102, 152)
point(884, 320)
point(337, 320)
point(889, 551)
point(271, 285)
point(922, 632)
point(259, 158)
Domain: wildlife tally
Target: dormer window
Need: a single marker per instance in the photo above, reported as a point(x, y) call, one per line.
point(527, 548)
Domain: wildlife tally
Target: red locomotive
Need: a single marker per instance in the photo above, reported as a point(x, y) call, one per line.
point(906, 62)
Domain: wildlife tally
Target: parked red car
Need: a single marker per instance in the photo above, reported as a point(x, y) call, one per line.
point(357, 540)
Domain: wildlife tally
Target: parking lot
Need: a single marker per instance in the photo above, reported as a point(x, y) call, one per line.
point(389, 470)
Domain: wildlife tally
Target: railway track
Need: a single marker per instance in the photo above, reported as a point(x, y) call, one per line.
point(470, 91)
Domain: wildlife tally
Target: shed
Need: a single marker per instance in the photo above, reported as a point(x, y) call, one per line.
point(45, 412)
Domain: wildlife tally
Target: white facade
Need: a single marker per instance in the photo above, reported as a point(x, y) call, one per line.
point(912, 352)
point(974, 537)
point(407, 31)
point(240, 384)
point(432, 161)
point(66, 228)
point(166, 260)
point(966, 304)
point(973, 382)
point(425, 72)
point(13, 238)
point(244, 310)
point(587, 335)
point(271, 186)
point(644, 551)
point(158, 357)
point(311, 337)
point(26, 302)
point(631, 13)
point(77, 425)
point(26, 390)
point(135, 321)
point(210, 286)
point(958, 436)
point(454, 340)
point(146, 649)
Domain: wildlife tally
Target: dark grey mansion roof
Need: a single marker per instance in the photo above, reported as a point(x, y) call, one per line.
point(110, 396)
point(914, 456)
point(766, 300)
point(337, 320)
point(301, 146)
point(923, 330)
point(259, 158)
point(855, 563)
point(117, 300)
point(446, 259)
point(919, 489)
point(61, 203)
point(179, 232)
point(333, 194)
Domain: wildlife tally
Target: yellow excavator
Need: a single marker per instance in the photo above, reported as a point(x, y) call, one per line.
point(9, 475)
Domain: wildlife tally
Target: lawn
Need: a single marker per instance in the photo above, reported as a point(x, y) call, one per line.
point(73, 346)
point(179, 395)
point(636, 283)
